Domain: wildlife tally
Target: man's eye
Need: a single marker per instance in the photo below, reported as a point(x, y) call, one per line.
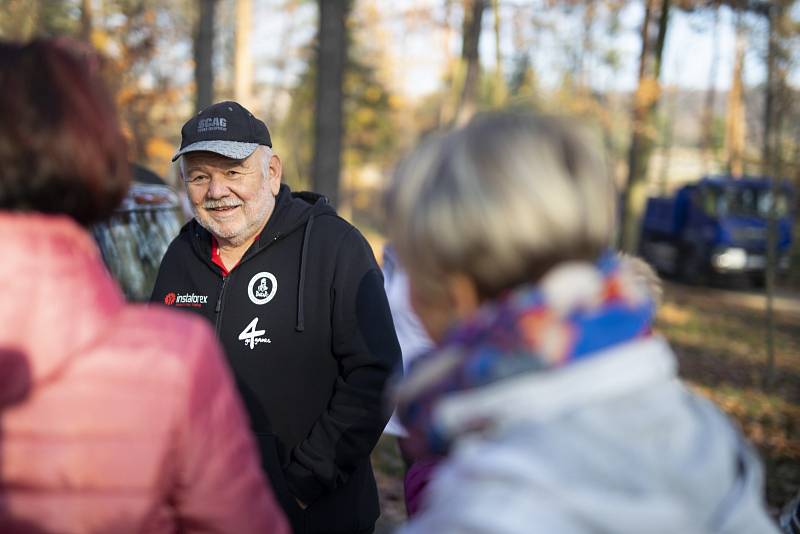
point(200, 178)
point(233, 173)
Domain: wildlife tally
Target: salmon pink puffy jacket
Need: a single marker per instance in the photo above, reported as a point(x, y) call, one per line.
point(113, 417)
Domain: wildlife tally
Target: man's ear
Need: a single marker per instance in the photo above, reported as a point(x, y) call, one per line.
point(275, 174)
point(458, 301)
point(463, 295)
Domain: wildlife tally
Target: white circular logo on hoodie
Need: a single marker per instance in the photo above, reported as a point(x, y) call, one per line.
point(262, 288)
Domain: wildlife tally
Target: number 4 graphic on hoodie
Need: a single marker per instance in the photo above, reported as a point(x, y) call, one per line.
point(250, 335)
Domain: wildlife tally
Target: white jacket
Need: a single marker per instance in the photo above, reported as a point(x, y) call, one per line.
point(612, 444)
point(411, 335)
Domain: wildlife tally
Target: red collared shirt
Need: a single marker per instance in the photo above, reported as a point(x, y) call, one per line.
point(217, 260)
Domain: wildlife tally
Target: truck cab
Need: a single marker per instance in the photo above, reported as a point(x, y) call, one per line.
point(717, 226)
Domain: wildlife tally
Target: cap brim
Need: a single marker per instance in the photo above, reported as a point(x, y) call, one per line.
point(229, 149)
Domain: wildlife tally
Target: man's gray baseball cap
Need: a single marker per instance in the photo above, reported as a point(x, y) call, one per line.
point(225, 128)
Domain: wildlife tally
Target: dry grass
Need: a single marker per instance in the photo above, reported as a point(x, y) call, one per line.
point(722, 353)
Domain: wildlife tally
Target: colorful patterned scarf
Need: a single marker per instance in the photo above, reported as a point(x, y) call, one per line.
point(576, 311)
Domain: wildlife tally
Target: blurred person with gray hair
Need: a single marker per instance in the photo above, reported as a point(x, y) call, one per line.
point(557, 408)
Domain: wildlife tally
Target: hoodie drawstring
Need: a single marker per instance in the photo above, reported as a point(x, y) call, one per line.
point(301, 287)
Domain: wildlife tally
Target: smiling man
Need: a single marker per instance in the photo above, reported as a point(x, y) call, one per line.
point(297, 301)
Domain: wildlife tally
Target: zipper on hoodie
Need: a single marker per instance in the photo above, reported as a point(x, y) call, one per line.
point(218, 307)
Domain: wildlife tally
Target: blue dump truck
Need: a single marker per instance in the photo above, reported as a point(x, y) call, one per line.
point(717, 227)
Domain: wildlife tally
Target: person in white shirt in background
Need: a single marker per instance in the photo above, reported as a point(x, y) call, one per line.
point(414, 341)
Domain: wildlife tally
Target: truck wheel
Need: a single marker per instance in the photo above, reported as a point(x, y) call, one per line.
point(758, 280)
point(693, 268)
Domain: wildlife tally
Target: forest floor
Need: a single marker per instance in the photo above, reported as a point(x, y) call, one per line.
point(719, 337)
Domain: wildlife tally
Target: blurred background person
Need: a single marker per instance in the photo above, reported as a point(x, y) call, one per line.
point(557, 408)
point(414, 341)
point(790, 516)
point(113, 418)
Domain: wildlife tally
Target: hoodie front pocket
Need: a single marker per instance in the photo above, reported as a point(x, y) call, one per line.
point(270, 463)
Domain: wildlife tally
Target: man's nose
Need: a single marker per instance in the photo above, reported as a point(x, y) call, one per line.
point(217, 187)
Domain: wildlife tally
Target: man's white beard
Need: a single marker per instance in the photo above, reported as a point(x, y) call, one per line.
point(237, 238)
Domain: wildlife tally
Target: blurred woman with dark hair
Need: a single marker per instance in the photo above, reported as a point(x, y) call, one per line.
point(113, 418)
point(557, 408)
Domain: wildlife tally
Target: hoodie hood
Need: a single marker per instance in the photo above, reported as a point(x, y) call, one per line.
point(293, 211)
point(51, 268)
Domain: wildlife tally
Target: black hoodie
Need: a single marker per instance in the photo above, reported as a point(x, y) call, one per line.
point(307, 330)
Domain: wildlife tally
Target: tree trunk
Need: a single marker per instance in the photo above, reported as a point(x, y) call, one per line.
point(776, 107)
point(587, 45)
point(473, 18)
point(451, 75)
point(499, 92)
point(670, 111)
point(767, 163)
point(654, 33)
point(243, 61)
point(328, 128)
point(289, 9)
point(86, 21)
point(711, 95)
point(735, 121)
point(203, 54)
